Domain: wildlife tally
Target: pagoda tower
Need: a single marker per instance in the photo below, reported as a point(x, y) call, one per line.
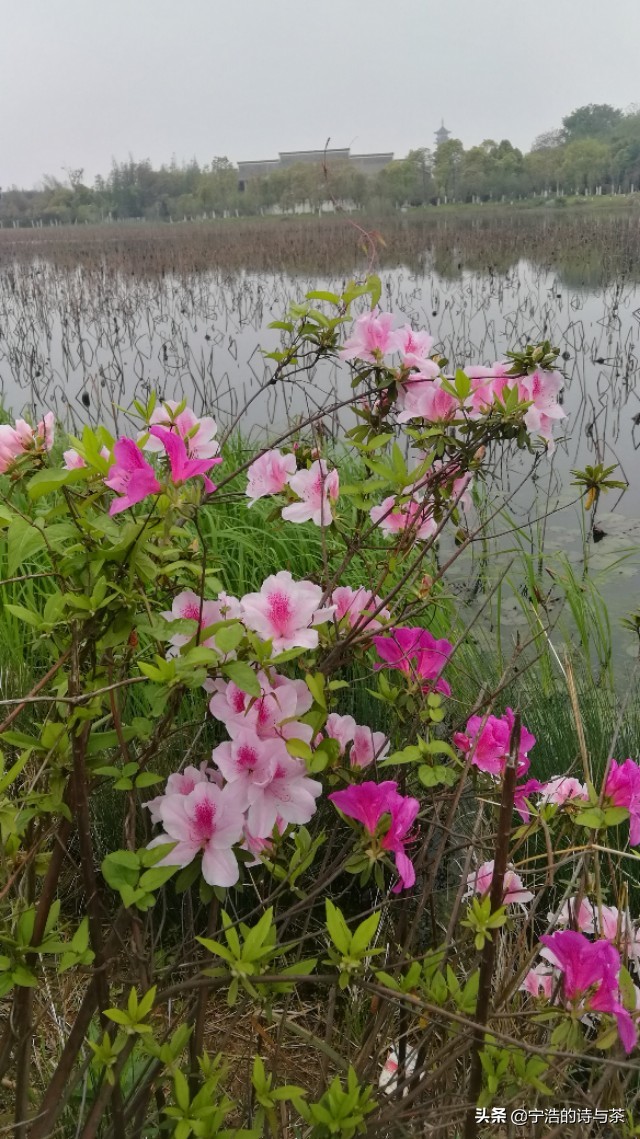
point(442, 134)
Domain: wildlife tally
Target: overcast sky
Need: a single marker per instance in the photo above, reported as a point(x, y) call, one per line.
point(85, 81)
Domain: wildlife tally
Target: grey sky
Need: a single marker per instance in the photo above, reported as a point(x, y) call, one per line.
point(82, 81)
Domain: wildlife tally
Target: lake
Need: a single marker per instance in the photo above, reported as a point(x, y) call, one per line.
point(84, 335)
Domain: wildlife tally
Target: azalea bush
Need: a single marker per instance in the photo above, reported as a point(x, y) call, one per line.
point(229, 908)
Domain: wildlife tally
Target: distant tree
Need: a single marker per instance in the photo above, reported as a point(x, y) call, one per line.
point(447, 167)
point(591, 121)
point(548, 140)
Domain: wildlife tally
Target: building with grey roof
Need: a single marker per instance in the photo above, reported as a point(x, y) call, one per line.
point(368, 164)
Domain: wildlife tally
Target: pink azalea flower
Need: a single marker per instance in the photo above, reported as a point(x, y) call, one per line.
point(479, 882)
point(247, 760)
point(267, 782)
point(198, 434)
point(417, 654)
point(317, 489)
point(486, 384)
point(11, 446)
point(371, 339)
point(183, 467)
point(545, 411)
point(257, 845)
point(16, 440)
point(581, 917)
point(181, 783)
point(413, 514)
point(187, 606)
point(131, 476)
point(414, 347)
point(273, 714)
point(269, 474)
point(562, 788)
point(622, 789)
point(367, 746)
point(285, 611)
point(368, 803)
point(585, 964)
point(425, 398)
point(356, 605)
point(340, 728)
point(45, 432)
point(208, 821)
point(489, 739)
point(539, 981)
point(73, 460)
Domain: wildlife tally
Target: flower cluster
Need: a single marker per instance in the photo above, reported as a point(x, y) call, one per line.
point(590, 979)
point(421, 393)
point(187, 442)
point(254, 785)
point(22, 438)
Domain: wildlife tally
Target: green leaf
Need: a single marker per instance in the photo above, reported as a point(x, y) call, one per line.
point(23, 541)
point(155, 878)
point(364, 934)
point(44, 482)
point(338, 928)
point(243, 676)
point(615, 815)
point(593, 818)
point(298, 749)
point(256, 936)
point(23, 614)
point(315, 683)
point(229, 636)
point(411, 754)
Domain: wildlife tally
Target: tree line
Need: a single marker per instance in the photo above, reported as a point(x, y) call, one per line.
point(595, 151)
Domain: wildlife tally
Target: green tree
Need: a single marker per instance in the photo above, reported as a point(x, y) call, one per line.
point(591, 121)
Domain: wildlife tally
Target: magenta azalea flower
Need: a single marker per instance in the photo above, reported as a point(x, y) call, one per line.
point(131, 476)
point(367, 803)
point(416, 653)
point(208, 821)
point(585, 964)
point(269, 474)
point(488, 743)
point(521, 796)
point(285, 611)
point(371, 339)
point(182, 466)
point(622, 789)
point(317, 489)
